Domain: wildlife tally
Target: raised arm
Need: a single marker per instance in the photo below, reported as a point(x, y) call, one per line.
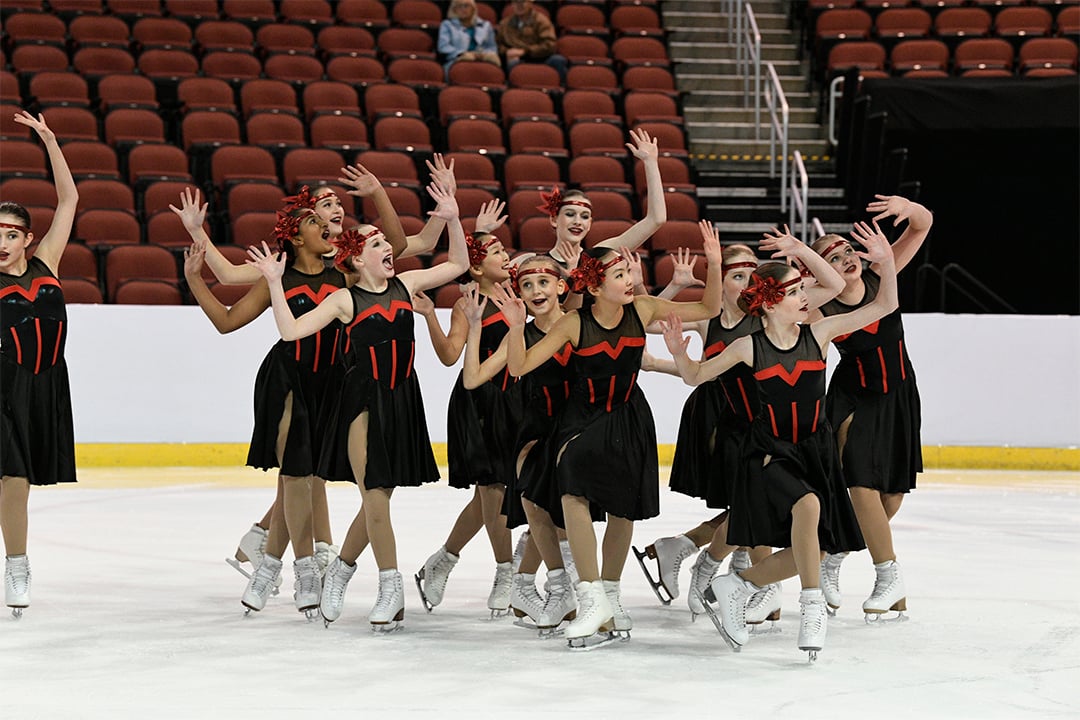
point(336, 307)
point(784, 244)
point(919, 221)
point(682, 274)
point(695, 372)
point(519, 360)
point(364, 184)
point(192, 213)
point(476, 373)
point(645, 149)
point(880, 254)
point(655, 308)
point(457, 260)
point(424, 242)
point(224, 319)
point(56, 238)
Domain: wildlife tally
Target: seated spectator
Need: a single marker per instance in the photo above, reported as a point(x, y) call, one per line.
point(528, 36)
point(466, 37)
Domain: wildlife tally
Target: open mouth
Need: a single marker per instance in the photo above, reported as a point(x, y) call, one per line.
point(538, 302)
point(326, 234)
point(388, 262)
point(576, 231)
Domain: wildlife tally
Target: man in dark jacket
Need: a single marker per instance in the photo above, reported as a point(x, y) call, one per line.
point(528, 36)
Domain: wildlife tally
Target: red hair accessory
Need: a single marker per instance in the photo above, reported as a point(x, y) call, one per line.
point(589, 272)
point(725, 269)
point(302, 199)
point(13, 227)
point(554, 200)
point(835, 245)
point(288, 226)
point(516, 275)
point(478, 250)
point(765, 291)
point(350, 244)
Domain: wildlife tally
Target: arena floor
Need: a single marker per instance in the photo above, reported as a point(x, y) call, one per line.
point(135, 614)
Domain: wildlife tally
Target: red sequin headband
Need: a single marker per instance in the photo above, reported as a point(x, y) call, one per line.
point(725, 269)
point(554, 200)
point(516, 275)
point(13, 227)
point(835, 245)
point(478, 250)
point(350, 244)
point(765, 291)
point(288, 226)
point(302, 199)
point(589, 273)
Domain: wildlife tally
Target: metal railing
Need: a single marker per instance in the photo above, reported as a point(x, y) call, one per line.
point(743, 32)
point(836, 91)
point(819, 229)
point(798, 217)
point(779, 125)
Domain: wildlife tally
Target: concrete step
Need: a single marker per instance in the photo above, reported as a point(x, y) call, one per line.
point(730, 66)
point(693, 32)
point(716, 114)
point(777, 7)
point(797, 132)
point(716, 173)
point(675, 20)
point(722, 50)
point(733, 98)
point(687, 79)
point(749, 149)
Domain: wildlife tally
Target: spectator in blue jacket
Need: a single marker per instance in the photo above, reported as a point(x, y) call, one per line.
point(466, 37)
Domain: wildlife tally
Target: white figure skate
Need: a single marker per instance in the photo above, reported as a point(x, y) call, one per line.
point(249, 553)
point(669, 554)
point(17, 584)
point(431, 579)
point(732, 593)
point(623, 623)
point(307, 586)
point(889, 594)
point(262, 583)
point(813, 621)
point(525, 601)
point(593, 626)
point(501, 589)
point(324, 555)
point(764, 606)
point(388, 615)
point(335, 582)
point(830, 580)
point(701, 577)
point(561, 605)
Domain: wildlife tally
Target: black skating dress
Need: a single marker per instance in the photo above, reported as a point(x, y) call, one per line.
point(482, 423)
point(875, 383)
point(379, 349)
point(791, 427)
point(606, 432)
point(544, 393)
point(715, 422)
point(37, 435)
point(305, 368)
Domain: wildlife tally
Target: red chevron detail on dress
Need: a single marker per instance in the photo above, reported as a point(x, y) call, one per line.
point(324, 292)
point(613, 352)
point(388, 313)
point(790, 378)
point(872, 328)
point(35, 288)
point(563, 356)
point(494, 318)
point(715, 349)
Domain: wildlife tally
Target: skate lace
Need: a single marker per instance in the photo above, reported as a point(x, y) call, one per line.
point(306, 582)
point(883, 584)
point(831, 573)
point(334, 589)
point(703, 571)
point(503, 581)
point(18, 577)
point(812, 618)
point(616, 603)
point(761, 597)
point(262, 580)
point(386, 596)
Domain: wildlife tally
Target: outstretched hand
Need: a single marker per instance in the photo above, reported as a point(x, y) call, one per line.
point(781, 244)
point(270, 264)
point(877, 246)
point(446, 205)
point(490, 218)
point(644, 147)
point(512, 307)
point(890, 206)
point(633, 262)
point(422, 304)
point(362, 181)
point(710, 242)
point(442, 174)
point(676, 342)
point(193, 260)
point(37, 124)
point(474, 305)
point(682, 269)
point(569, 251)
point(192, 211)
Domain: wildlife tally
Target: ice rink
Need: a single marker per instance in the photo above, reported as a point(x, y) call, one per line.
point(135, 615)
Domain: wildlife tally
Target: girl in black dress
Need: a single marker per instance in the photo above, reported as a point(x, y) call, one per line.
point(37, 437)
point(375, 428)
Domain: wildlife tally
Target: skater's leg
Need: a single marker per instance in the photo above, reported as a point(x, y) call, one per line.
point(718, 544)
point(543, 534)
point(579, 530)
point(892, 502)
point(530, 559)
point(277, 539)
point(379, 527)
point(468, 523)
point(357, 537)
point(616, 546)
point(759, 553)
point(14, 493)
point(703, 534)
point(805, 515)
point(874, 523)
point(491, 500)
point(297, 506)
point(320, 512)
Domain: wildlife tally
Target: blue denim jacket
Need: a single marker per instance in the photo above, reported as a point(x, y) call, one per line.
point(454, 38)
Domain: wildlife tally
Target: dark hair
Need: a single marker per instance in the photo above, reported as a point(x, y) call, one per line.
point(774, 270)
point(14, 208)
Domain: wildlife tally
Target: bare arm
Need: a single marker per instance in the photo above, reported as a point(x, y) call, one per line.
point(475, 373)
point(519, 360)
point(55, 241)
point(646, 150)
point(224, 319)
point(651, 363)
point(457, 260)
point(336, 307)
point(919, 222)
point(365, 184)
point(695, 372)
point(880, 254)
point(192, 213)
point(785, 245)
point(682, 275)
point(655, 308)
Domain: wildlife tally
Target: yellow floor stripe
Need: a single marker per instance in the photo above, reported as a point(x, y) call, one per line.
point(235, 454)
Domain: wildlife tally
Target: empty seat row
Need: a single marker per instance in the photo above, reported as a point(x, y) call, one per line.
point(1038, 57)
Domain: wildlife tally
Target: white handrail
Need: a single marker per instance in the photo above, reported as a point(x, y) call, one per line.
point(779, 122)
point(819, 229)
point(835, 93)
point(750, 42)
point(800, 196)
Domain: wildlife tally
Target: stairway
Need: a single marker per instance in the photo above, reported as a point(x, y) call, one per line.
point(732, 164)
